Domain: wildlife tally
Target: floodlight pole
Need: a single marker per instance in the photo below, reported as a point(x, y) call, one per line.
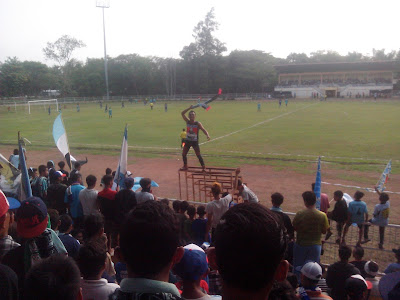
point(104, 5)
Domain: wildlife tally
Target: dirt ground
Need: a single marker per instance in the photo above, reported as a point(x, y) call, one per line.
point(262, 179)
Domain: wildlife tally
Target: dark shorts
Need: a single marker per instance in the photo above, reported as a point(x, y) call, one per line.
point(193, 144)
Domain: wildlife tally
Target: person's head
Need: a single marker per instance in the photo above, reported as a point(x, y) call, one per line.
point(176, 205)
point(191, 211)
point(358, 195)
point(243, 228)
point(383, 198)
point(201, 211)
point(6, 213)
point(165, 202)
point(356, 287)
point(77, 166)
point(31, 218)
point(397, 254)
point(92, 259)
point(77, 234)
point(108, 171)
point(77, 178)
point(184, 205)
point(59, 176)
point(50, 164)
point(344, 253)
point(311, 273)
point(61, 164)
point(277, 199)
point(93, 226)
point(282, 291)
point(15, 152)
point(309, 198)
point(216, 189)
point(183, 129)
point(108, 181)
point(43, 171)
point(193, 265)
point(91, 181)
point(192, 115)
point(371, 269)
point(150, 257)
point(34, 172)
point(56, 277)
point(65, 224)
point(358, 253)
point(338, 195)
point(145, 184)
point(54, 218)
point(129, 182)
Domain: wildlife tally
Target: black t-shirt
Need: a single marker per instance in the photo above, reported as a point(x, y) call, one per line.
point(126, 200)
point(8, 283)
point(336, 278)
point(339, 213)
point(287, 222)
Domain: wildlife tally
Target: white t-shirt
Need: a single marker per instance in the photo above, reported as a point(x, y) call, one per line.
point(248, 195)
point(217, 208)
point(88, 198)
point(207, 297)
point(142, 197)
point(97, 289)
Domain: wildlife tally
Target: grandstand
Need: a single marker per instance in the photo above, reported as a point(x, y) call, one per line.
point(339, 80)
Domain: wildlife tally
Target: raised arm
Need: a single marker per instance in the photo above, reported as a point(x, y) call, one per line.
point(204, 131)
point(183, 113)
point(377, 191)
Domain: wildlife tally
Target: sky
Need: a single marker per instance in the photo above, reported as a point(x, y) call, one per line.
point(163, 28)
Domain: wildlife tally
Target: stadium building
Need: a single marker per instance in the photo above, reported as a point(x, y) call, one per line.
point(341, 80)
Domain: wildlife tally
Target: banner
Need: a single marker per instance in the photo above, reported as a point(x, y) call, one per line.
point(317, 188)
point(60, 138)
point(384, 177)
point(123, 162)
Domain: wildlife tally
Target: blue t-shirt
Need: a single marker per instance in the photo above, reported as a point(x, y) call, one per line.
point(72, 197)
point(70, 243)
point(394, 267)
point(199, 227)
point(357, 210)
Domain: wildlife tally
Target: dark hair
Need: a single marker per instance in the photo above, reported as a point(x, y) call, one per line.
point(16, 152)
point(91, 180)
point(344, 252)
point(201, 210)
point(107, 179)
point(42, 168)
point(54, 217)
point(66, 222)
point(192, 111)
point(145, 256)
point(176, 205)
point(277, 199)
point(224, 194)
point(338, 194)
point(282, 291)
point(77, 165)
point(239, 183)
point(76, 176)
point(372, 266)
point(183, 129)
point(108, 171)
point(384, 197)
point(56, 277)
point(113, 173)
point(91, 258)
point(313, 186)
point(165, 201)
point(61, 164)
point(50, 164)
point(358, 195)
point(191, 211)
point(309, 198)
point(358, 251)
point(243, 227)
point(184, 205)
point(144, 182)
point(92, 225)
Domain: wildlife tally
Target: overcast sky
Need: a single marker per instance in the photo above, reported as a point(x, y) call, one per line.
point(164, 27)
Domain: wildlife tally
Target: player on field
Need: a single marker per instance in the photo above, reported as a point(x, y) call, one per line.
point(78, 109)
point(110, 113)
point(286, 101)
point(258, 106)
point(280, 102)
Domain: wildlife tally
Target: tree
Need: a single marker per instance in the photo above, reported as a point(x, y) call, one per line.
point(12, 78)
point(297, 58)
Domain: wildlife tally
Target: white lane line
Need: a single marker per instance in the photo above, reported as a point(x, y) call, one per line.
point(358, 187)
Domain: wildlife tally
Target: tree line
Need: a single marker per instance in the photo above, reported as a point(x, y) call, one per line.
point(202, 68)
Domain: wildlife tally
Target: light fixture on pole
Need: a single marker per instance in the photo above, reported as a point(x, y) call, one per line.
point(104, 4)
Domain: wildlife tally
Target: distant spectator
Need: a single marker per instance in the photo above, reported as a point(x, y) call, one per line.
point(56, 277)
point(92, 263)
point(56, 193)
point(88, 196)
point(215, 209)
point(358, 214)
point(338, 273)
point(33, 176)
point(71, 244)
point(54, 219)
point(199, 226)
point(176, 205)
point(14, 158)
point(309, 224)
point(39, 188)
point(149, 260)
point(9, 283)
point(356, 288)
point(277, 200)
point(77, 234)
point(6, 220)
point(358, 262)
point(52, 170)
point(282, 291)
point(120, 266)
point(371, 269)
point(145, 194)
point(76, 168)
point(93, 227)
point(187, 225)
point(324, 204)
point(72, 198)
point(311, 273)
point(126, 199)
point(339, 215)
point(247, 194)
point(108, 172)
point(243, 228)
point(394, 267)
point(61, 165)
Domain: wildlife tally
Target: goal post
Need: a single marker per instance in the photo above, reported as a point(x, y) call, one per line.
point(39, 102)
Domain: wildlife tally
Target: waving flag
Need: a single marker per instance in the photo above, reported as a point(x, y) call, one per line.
point(205, 104)
point(317, 188)
point(10, 178)
point(123, 161)
point(60, 138)
point(25, 190)
point(384, 177)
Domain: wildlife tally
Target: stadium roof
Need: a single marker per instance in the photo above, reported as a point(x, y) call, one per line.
point(339, 67)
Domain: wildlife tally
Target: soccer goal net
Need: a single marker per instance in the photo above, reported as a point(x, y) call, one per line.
point(45, 104)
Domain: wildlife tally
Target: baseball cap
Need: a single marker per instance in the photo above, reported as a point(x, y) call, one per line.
point(59, 174)
point(356, 285)
point(371, 268)
point(7, 203)
point(193, 264)
point(312, 270)
point(31, 218)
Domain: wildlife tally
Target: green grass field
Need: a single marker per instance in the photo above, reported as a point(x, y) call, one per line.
point(354, 135)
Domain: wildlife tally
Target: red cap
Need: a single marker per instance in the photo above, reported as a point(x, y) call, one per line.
point(4, 205)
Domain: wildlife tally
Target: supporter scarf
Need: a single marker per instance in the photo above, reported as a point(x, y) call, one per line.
point(38, 248)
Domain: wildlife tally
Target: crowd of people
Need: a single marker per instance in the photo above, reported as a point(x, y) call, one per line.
point(335, 81)
point(71, 241)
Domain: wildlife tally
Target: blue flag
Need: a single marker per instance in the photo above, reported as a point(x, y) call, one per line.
point(60, 138)
point(120, 174)
point(317, 188)
point(26, 190)
point(384, 177)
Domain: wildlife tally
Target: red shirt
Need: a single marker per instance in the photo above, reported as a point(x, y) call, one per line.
point(107, 193)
